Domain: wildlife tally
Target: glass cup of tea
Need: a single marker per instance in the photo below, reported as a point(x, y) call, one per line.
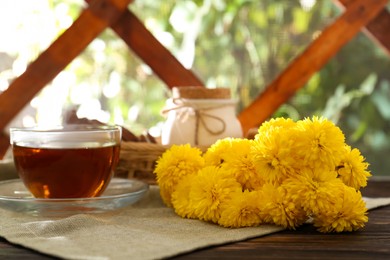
point(72, 161)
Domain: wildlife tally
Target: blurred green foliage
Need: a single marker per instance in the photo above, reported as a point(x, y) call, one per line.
point(243, 45)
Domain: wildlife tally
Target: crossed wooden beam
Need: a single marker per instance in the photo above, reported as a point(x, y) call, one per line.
point(100, 14)
point(357, 15)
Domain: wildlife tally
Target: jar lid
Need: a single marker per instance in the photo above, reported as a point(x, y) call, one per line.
point(199, 92)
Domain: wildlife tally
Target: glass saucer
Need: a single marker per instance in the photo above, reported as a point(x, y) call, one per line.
point(119, 193)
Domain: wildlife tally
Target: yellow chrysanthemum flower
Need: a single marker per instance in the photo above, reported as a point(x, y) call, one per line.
point(288, 173)
point(318, 142)
point(175, 163)
point(273, 157)
point(217, 152)
point(352, 169)
point(313, 194)
point(238, 161)
point(280, 208)
point(267, 127)
point(348, 215)
point(243, 211)
point(181, 199)
point(211, 191)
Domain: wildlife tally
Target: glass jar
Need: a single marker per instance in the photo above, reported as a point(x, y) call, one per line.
point(199, 116)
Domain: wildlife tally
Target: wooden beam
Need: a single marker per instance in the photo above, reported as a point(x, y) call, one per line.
point(153, 53)
point(4, 144)
point(91, 22)
point(378, 29)
point(299, 71)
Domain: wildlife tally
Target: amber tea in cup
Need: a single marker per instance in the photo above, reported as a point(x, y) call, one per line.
point(74, 161)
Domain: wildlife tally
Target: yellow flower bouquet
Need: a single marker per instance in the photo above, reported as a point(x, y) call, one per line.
point(289, 173)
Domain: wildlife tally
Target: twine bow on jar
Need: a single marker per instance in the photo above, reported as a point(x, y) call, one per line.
point(186, 109)
point(199, 116)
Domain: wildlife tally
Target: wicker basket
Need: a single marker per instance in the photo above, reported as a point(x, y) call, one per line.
point(138, 159)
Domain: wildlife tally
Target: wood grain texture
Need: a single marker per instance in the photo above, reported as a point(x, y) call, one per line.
point(4, 144)
point(153, 53)
point(304, 243)
point(378, 29)
point(299, 71)
point(91, 22)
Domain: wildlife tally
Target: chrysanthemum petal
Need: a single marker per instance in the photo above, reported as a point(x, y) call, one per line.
point(352, 169)
point(281, 209)
point(211, 191)
point(181, 199)
point(272, 155)
point(349, 215)
point(319, 142)
point(175, 163)
point(243, 211)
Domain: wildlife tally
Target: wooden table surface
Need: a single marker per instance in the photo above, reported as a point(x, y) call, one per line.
point(373, 242)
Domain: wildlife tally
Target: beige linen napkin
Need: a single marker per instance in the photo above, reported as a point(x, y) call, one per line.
point(145, 230)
